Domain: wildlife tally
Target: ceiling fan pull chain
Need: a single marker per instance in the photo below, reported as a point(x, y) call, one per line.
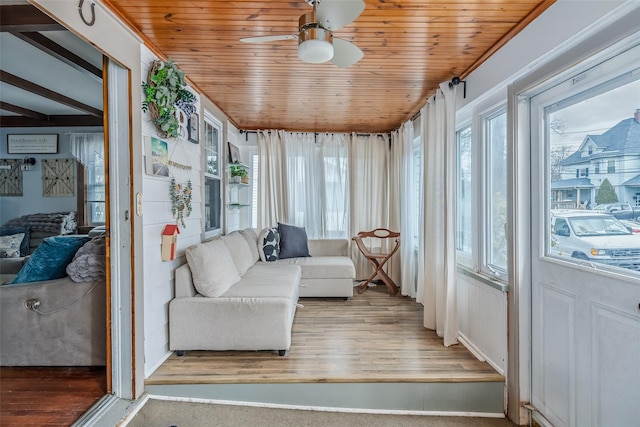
point(93, 13)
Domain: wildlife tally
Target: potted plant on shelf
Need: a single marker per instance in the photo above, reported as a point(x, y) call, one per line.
point(239, 174)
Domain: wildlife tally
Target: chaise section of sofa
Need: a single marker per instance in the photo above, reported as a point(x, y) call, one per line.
point(328, 272)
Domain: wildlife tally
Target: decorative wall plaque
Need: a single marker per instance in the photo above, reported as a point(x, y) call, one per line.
point(10, 177)
point(57, 177)
point(28, 144)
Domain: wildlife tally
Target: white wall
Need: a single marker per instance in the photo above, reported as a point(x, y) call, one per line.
point(32, 200)
point(158, 274)
point(482, 314)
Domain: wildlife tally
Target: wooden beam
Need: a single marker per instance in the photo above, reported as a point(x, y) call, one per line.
point(51, 121)
point(23, 111)
point(26, 18)
point(48, 46)
point(47, 93)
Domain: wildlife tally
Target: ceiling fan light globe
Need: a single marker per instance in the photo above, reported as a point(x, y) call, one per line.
point(315, 51)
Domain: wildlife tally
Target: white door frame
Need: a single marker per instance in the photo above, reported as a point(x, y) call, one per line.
point(612, 28)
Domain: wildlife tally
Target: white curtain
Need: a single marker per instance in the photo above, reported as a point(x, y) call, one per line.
point(369, 187)
point(86, 146)
point(317, 183)
point(272, 202)
point(410, 215)
point(438, 251)
point(304, 182)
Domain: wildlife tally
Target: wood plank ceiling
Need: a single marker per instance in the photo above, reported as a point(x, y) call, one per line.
point(47, 76)
point(409, 46)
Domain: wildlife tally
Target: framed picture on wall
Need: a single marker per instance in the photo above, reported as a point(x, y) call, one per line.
point(156, 156)
point(194, 128)
point(234, 153)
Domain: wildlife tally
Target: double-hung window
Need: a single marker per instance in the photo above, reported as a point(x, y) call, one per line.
point(464, 193)
point(481, 193)
point(495, 194)
point(212, 176)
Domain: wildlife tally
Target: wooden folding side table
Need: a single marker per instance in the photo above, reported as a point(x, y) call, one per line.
point(378, 260)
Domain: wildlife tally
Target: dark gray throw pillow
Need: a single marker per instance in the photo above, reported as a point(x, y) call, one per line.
point(293, 241)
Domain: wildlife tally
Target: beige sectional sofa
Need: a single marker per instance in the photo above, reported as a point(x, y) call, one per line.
point(227, 299)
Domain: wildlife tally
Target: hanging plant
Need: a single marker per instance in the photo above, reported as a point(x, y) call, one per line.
point(164, 92)
point(180, 201)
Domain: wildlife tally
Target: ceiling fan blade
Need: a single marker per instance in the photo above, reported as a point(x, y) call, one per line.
point(334, 14)
point(345, 53)
point(267, 39)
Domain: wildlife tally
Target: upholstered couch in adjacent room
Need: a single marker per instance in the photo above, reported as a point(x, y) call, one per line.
point(226, 298)
point(35, 227)
point(53, 311)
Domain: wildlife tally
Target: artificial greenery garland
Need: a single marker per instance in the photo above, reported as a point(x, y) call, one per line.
point(180, 201)
point(164, 92)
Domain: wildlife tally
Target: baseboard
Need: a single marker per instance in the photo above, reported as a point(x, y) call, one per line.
point(479, 354)
point(148, 373)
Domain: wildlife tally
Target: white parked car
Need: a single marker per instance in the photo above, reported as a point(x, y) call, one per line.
point(596, 237)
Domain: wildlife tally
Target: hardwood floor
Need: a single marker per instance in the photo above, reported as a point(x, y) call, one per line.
point(372, 337)
point(48, 396)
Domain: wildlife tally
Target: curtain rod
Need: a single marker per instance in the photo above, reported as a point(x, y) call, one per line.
point(247, 132)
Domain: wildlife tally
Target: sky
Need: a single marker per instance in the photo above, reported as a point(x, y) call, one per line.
point(596, 115)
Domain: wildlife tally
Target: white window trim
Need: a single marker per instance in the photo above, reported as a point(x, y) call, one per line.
point(490, 107)
point(463, 258)
point(212, 120)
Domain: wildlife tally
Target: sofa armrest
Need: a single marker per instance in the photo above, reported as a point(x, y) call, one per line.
point(328, 247)
point(11, 265)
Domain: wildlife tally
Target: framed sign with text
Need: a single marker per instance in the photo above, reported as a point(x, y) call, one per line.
point(32, 144)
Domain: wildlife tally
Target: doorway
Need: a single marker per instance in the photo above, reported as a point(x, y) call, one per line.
point(585, 260)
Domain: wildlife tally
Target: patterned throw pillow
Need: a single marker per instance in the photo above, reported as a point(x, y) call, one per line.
point(269, 244)
point(10, 245)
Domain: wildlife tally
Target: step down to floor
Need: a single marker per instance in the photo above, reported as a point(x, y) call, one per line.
point(450, 397)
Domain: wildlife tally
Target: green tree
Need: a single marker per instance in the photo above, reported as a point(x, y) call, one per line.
point(606, 193)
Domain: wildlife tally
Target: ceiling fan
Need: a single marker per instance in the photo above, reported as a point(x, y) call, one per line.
point(316, 43)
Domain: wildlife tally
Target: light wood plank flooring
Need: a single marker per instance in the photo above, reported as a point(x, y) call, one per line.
point(372, 337)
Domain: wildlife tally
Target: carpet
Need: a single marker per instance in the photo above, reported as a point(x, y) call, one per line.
point(161, 413)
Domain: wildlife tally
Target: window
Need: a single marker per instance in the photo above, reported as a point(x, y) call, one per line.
point(602, 107)
point(417, 179)
point(481, 191)
point(495, 237)
point(464, 221)
point(95, 190)
point(88, 149)
point(212, 176)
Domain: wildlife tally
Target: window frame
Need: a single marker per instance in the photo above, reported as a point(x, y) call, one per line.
point(476, 117)
point(463, 257)
point(211, 120)
point(484, 143)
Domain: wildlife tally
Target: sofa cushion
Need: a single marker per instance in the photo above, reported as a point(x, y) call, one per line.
point(268, 283)
point(269, 244)
point(251, 237)
point(293, 241)
point(10, 245)
point(239, 250)
point(89, 263)
point(24, 245)
point(212, 268)
point(49, 261)
point(322, 267)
